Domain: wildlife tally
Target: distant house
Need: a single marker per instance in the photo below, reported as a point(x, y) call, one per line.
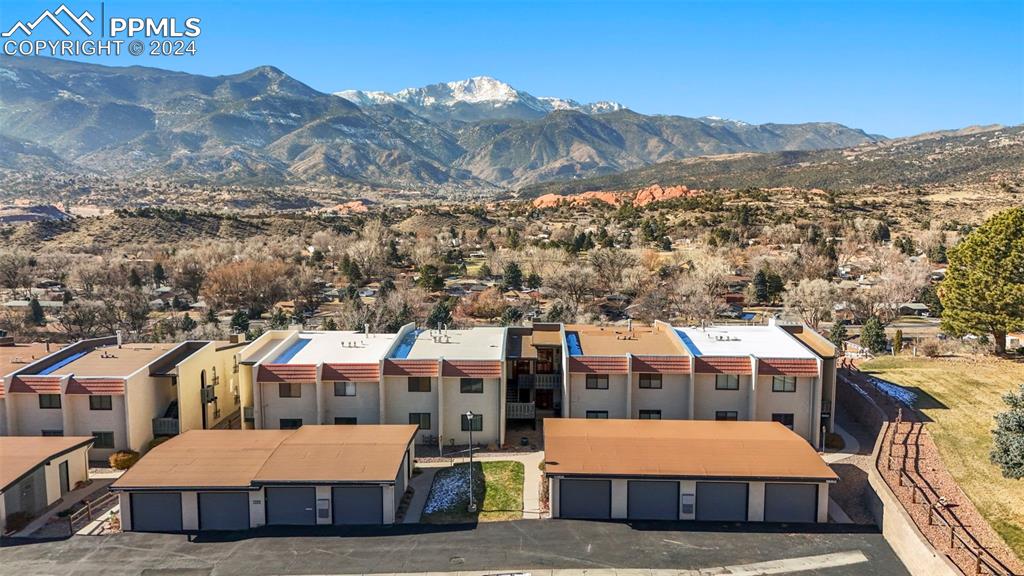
point(367, 292)
point(1014, 340)
point(23, 304)
point(914, 309)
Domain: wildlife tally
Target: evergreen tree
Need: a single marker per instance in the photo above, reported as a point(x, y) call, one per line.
point(1008, 437)
point(211, 316)
point(134, 280)
point(67, 297)
point(330, 324)
point(775, 287)
point(983, 292)
point(441, 313)
point(279, 320)
point(36, 313)
point(187, 323)
point(240, 322)
point(929, 296)
point(159, 274)
point(534, 281)
point(872, 335)
point(897, 342)
point(511, 316)
point(761, 286)
point(837, 335)
point(512, 279)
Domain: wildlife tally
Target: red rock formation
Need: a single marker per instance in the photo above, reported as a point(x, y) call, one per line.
point(642, 197)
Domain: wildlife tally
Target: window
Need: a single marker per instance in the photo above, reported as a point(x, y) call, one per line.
point(421, 419)
point(344, 420)
point(344, 388)
point(289, 390)
point(100, 402)
point(597, 381)
point(103, 440)
point(52, 432)
point(727, 382)
point(49, 401)
point(729, 415)
point(650, 380)
point(477, 423)
point(471, 385)
point(291, 423)
point(650, 414)
point(419, 384)
point(597, 414)
point(784, 419)
point(783, 383)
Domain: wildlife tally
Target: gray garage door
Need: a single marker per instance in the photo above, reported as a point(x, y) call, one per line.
point(223, 511)
point(722, 501)
point(357, 504)
point(157, 512)
point(291, 506)
point(591, 499)
point(650, 500)
point(790, 502)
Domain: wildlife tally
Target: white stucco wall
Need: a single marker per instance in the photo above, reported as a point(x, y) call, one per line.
point(613, 400)
point(275, 408)
point(32, 420)
point(486, 405)
point(673, 398)
point(364, 406)
point(797, 403)
point(82, 421)
point(708, 400)
point(400, 403)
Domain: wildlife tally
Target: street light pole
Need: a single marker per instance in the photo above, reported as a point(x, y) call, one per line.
point(472, 500)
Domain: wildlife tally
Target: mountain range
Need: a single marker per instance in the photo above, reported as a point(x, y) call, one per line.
point(265, 127)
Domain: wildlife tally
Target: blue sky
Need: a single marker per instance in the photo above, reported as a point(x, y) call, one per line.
point(891, 68)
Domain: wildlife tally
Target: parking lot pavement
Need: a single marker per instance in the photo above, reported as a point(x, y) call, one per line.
point(499, 547)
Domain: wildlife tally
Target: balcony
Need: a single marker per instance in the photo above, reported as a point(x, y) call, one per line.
point(540, 381)
point(165, 426)
point(520, 411)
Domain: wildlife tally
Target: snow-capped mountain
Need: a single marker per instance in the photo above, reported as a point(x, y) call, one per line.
point(474, 99)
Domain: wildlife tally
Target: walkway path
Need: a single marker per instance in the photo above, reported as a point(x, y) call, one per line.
point(41, 527)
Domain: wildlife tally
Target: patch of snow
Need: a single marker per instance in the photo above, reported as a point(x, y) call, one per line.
point(448, 490)
point(898, 393)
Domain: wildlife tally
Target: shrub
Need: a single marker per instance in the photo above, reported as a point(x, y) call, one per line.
point(123, 459)
point(931, 348)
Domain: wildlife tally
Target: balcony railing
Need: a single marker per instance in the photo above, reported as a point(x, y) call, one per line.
point(540, 381)
point(520, 411)
point(165, 426)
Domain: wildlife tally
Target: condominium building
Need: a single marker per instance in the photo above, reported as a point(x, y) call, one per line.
point(123, 395)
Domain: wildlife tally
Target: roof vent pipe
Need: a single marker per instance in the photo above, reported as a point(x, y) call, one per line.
point(119, 339)
point(366, 328)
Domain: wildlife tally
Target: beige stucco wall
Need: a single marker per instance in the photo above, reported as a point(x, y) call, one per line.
point(3, 416)
point(78, 471)
point(796, 403)
point(29, 419)
point(400, 402)
point(275, 408)
point(217, 364)
point(364, 406)
point(146, 398)
point(707, 400)
point(486, 405)
point(81, 421)
point(673, 398)
point(613, 399)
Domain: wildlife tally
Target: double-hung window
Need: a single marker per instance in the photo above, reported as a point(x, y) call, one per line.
point(597, 381)
point(101, 402)
point(727, 382)
point(419, 384)
point(49, 401)
point(471, 385)
point(344, 388)
point(650, 381)
point(783, 383)
point(289, 390)
point(476, 424)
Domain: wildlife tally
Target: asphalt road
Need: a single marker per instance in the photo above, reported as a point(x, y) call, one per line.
point(501, 546)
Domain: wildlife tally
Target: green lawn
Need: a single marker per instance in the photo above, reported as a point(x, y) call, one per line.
point(497, 485)
point(962, 395)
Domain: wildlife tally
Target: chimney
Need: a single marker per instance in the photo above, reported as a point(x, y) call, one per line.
point(47, 346)
point(119, 339)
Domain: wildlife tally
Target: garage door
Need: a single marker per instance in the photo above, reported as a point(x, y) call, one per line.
point(650, 500)
point(223, 511)
point(790, 503)
point(157, 512)
point(591, 499)
point(357, 504)
point(291, 506)
point(722, 501)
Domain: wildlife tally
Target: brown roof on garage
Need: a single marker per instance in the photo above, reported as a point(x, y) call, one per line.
point(19, 455)
point(680, 448)
point(242, 458)
point(368, 453)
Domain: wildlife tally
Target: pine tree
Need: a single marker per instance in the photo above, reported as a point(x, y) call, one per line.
point(36, 312)
point(159, 274)
point(983, 292)
point(211, 316)
point(441, 313)
point(534, 280)
point(1008, 437)
point(761, 286)
point(837, 335)
point(872, 335)
point(240, 321)
point(134, 280)
point(187, 323)
point(512, 279)
point(897, 342)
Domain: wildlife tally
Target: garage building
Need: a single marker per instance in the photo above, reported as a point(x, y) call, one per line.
point(683, 470)
point(240, 479)
point(37, 471)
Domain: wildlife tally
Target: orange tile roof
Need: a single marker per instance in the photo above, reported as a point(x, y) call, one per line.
point(662, 364)
point(19, 455)
point(410, 367)
point(679, 449)
point(351, 372)
point(722, 365)
point(787, 367)
point(30, 384)
point(294, 373)
point(102, 386)
point(471, 368)
point(598, 365)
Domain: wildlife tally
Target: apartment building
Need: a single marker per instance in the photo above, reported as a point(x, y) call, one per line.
point(14, 357)
point(429, 378)
point(123, 395)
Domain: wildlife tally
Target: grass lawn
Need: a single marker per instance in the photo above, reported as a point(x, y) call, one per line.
point(497, 485)
point(962, 395)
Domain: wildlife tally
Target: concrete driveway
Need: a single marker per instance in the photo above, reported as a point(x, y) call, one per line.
point(499, 547)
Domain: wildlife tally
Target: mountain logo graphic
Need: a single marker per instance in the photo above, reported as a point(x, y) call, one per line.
point(28, 28)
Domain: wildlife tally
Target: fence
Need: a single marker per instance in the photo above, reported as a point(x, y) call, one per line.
point(898, 456)
point(93, 509)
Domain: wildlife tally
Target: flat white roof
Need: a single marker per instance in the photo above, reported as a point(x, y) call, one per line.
point(335, 347)
point(761, 341)
point(474, 344)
